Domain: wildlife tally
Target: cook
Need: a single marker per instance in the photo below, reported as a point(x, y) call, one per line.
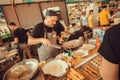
point(44, 35)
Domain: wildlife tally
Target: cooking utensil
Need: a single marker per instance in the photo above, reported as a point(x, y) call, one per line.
point(56, 68)
point(23, 70)
point(56, 46)
point(72, 44)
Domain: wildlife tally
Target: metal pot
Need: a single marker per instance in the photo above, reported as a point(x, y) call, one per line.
point(23, 70)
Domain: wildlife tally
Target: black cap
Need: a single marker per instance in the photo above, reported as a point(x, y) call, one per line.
point(104, 6)
point(50, 13)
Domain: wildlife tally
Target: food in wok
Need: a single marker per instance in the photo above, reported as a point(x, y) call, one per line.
point(72, 44)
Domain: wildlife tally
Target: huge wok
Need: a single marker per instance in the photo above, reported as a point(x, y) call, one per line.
point(72, 44)
point(23, 70)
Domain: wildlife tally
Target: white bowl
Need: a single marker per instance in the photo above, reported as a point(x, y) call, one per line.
point(56, 68)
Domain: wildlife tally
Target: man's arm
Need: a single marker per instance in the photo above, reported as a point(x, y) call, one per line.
point(114, 15)
point(16, 40)
point(60, 39)
point(98, 18)
point(68, 32)
point(109, 71)
point(34, 41)
point(109, 16)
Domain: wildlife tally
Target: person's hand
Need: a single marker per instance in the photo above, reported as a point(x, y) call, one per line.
point(80, 38)
point(46, 42)
point(60, 40)
point(72, 33)
point(111, 18)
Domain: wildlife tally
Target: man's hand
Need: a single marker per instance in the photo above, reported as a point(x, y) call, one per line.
point(80, 38)
point(45, 42)
point(60, 40)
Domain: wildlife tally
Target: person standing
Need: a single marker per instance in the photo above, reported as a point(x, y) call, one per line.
point(84, 19)
point(19, 33)
point(104, 17)
point(110, 51)
point(90, 19)
point(44, 35)
point(20, 37)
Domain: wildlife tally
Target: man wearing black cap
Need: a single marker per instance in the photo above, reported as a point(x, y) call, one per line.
point(45, 35)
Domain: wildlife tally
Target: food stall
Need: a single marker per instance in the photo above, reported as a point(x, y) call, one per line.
point(63, 67)
point(87, 67)
point(78, 58)
point(84, 63)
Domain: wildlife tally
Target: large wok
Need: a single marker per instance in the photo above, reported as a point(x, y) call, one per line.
point(23, 70)
point(72, 44)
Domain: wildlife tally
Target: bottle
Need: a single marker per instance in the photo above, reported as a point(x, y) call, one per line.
point(69, 54)
point(97, 42)
point(24, 55)
point(71, 61)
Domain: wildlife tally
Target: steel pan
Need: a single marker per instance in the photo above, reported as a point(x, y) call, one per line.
point(72, 44)
point(23, 70)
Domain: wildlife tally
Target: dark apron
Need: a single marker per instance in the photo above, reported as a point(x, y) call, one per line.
point(45, 52)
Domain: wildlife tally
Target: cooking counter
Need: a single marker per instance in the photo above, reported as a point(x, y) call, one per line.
point(79, 63)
